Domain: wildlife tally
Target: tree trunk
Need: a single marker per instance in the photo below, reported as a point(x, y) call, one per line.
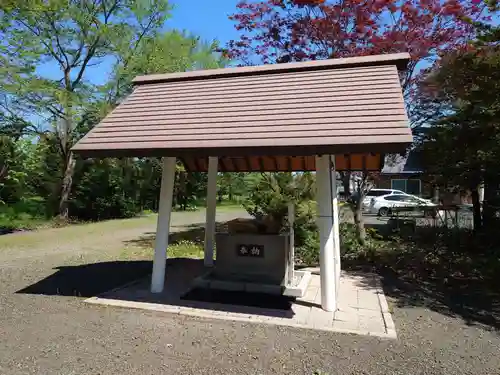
point(476, 209)
point(69, 169)
point(358, 220)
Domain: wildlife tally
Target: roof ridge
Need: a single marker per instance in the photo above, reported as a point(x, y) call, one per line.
point(400, 60)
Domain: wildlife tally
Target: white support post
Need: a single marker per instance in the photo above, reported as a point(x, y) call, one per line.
point(291, 253)
point(336, 221)
point(211, 204)
point(163, 225)
point(326, 233)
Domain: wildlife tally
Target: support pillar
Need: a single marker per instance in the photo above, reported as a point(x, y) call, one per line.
point(336, 222)
point(291, 251)
point(326, 233)
point(163, 224)
point(211, 204)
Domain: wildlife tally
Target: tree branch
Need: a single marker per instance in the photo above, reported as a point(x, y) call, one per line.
point(58, 41)
point(92, 49)
point(49, 48)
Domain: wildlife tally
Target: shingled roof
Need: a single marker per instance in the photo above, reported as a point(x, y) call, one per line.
point(339, 106)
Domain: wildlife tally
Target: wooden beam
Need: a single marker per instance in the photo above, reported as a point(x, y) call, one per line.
point(289, 163)
point(348, 162)
point(234, 165)
point(248, 164)
point(225, 164)
point(261, 163)
point(275, 162)
point(222, 164)
point(197, 164)
point(363, 162)
point(304, 163)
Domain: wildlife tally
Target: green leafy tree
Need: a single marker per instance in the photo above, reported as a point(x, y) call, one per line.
point(462, 147)
point(74, 35)
point(231, 184)
point(77, 36)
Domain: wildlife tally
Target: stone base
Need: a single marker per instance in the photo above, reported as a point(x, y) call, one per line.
point(208, 281)
point(298, 290)
point(361, 309)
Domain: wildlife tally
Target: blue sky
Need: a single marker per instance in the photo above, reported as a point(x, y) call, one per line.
point(205, 18)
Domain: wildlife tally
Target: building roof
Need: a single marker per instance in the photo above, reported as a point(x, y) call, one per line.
point(338, 106)
point(402, 164)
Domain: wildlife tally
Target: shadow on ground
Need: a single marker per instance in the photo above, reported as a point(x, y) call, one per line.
point(92, 279)
point(89, 279)
point(180, 273)
point(130, 281)
point(454, 273)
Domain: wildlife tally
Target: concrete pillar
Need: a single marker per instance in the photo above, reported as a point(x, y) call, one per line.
point(291, 253)
point(326, 233)
point(336, 222)
point(163, 224)
point(211, 204)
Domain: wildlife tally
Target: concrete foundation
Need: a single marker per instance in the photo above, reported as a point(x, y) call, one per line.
point(298, 289)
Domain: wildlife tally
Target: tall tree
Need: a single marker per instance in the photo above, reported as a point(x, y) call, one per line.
point(73, 35)
point(465, 87)
point(129, 185)
point(280, 31)
point(277, 31)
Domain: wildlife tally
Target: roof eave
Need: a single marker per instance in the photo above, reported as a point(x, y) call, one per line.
point(382, 148)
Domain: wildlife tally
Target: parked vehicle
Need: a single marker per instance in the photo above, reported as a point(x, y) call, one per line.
point(373, 193)
point(383, 205)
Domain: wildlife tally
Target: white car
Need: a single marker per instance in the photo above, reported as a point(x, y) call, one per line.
point(383, 205)
point(374, 193)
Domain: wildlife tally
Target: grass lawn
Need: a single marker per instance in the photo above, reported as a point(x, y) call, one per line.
point(183, 249)
point(71, 232)
point(188, 243)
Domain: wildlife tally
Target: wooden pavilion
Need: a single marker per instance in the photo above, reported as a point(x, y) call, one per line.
point(323, 116)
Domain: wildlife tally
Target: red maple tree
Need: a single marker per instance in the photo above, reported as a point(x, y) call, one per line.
point(276, 31)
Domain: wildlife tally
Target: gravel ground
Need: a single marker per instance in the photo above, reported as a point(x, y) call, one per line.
point(56, 333)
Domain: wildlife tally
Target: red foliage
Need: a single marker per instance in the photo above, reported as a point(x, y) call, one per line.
point(295, 30)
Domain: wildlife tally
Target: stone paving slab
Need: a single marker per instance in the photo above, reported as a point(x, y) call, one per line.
point(361, 309)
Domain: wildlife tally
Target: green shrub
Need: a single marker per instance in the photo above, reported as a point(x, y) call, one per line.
point(103, 208)
point(25, 214)
point(269, 197)
point(307, 252)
